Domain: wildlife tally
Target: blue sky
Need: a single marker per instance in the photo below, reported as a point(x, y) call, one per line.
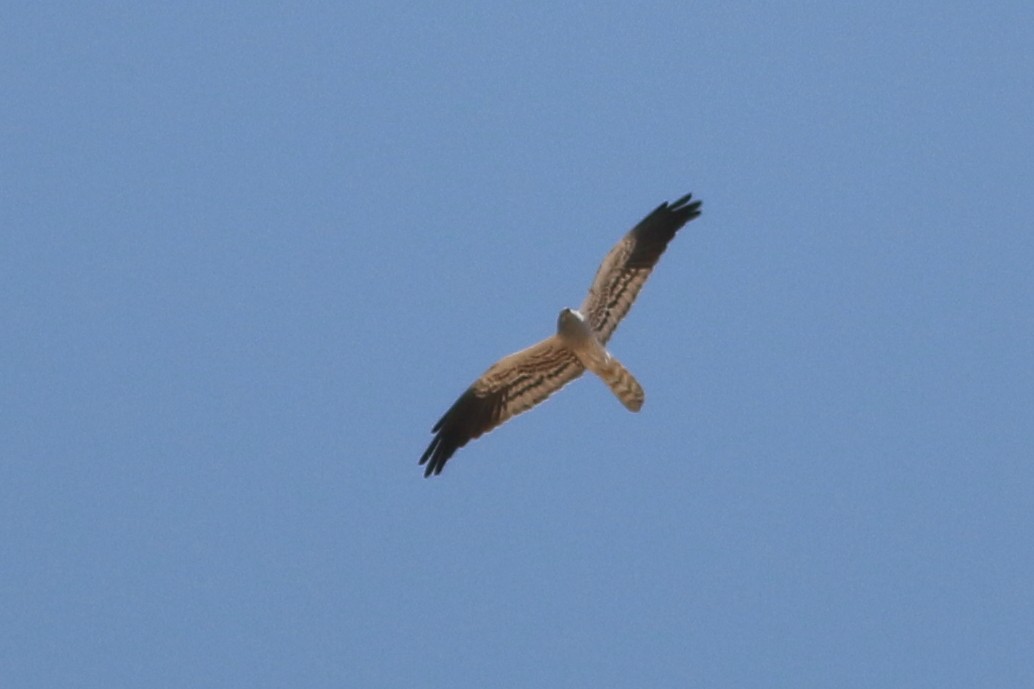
point(252, 251)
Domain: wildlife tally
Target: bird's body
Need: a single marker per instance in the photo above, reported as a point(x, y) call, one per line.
point(578, 336)
point(521, 380)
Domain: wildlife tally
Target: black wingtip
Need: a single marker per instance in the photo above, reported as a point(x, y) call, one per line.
point(668, 218)
point(656, 230)
point(468, 418)
point(683, 206)
point(437, 454)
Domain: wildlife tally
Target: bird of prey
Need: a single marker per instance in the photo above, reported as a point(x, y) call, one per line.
point(518, 382)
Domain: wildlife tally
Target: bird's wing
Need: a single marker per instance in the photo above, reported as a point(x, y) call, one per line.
point(626, 267)
point(512, 385)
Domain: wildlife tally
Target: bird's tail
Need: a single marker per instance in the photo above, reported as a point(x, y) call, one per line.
point(622, 383)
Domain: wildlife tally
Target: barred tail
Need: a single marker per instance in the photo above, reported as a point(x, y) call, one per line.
point(622, 383)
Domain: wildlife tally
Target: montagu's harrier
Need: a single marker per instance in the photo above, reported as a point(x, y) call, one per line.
point(520, 381)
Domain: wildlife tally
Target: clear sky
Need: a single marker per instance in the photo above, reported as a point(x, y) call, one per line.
point(250, 252)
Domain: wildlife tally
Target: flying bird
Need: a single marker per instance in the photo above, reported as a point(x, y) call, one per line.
point(518, 382)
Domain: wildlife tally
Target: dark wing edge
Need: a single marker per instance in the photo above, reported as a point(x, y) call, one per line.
point(627, 266)
point(656, 230)
point(511, 386)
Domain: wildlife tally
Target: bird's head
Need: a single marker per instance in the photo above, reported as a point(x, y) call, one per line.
point(568, 317)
